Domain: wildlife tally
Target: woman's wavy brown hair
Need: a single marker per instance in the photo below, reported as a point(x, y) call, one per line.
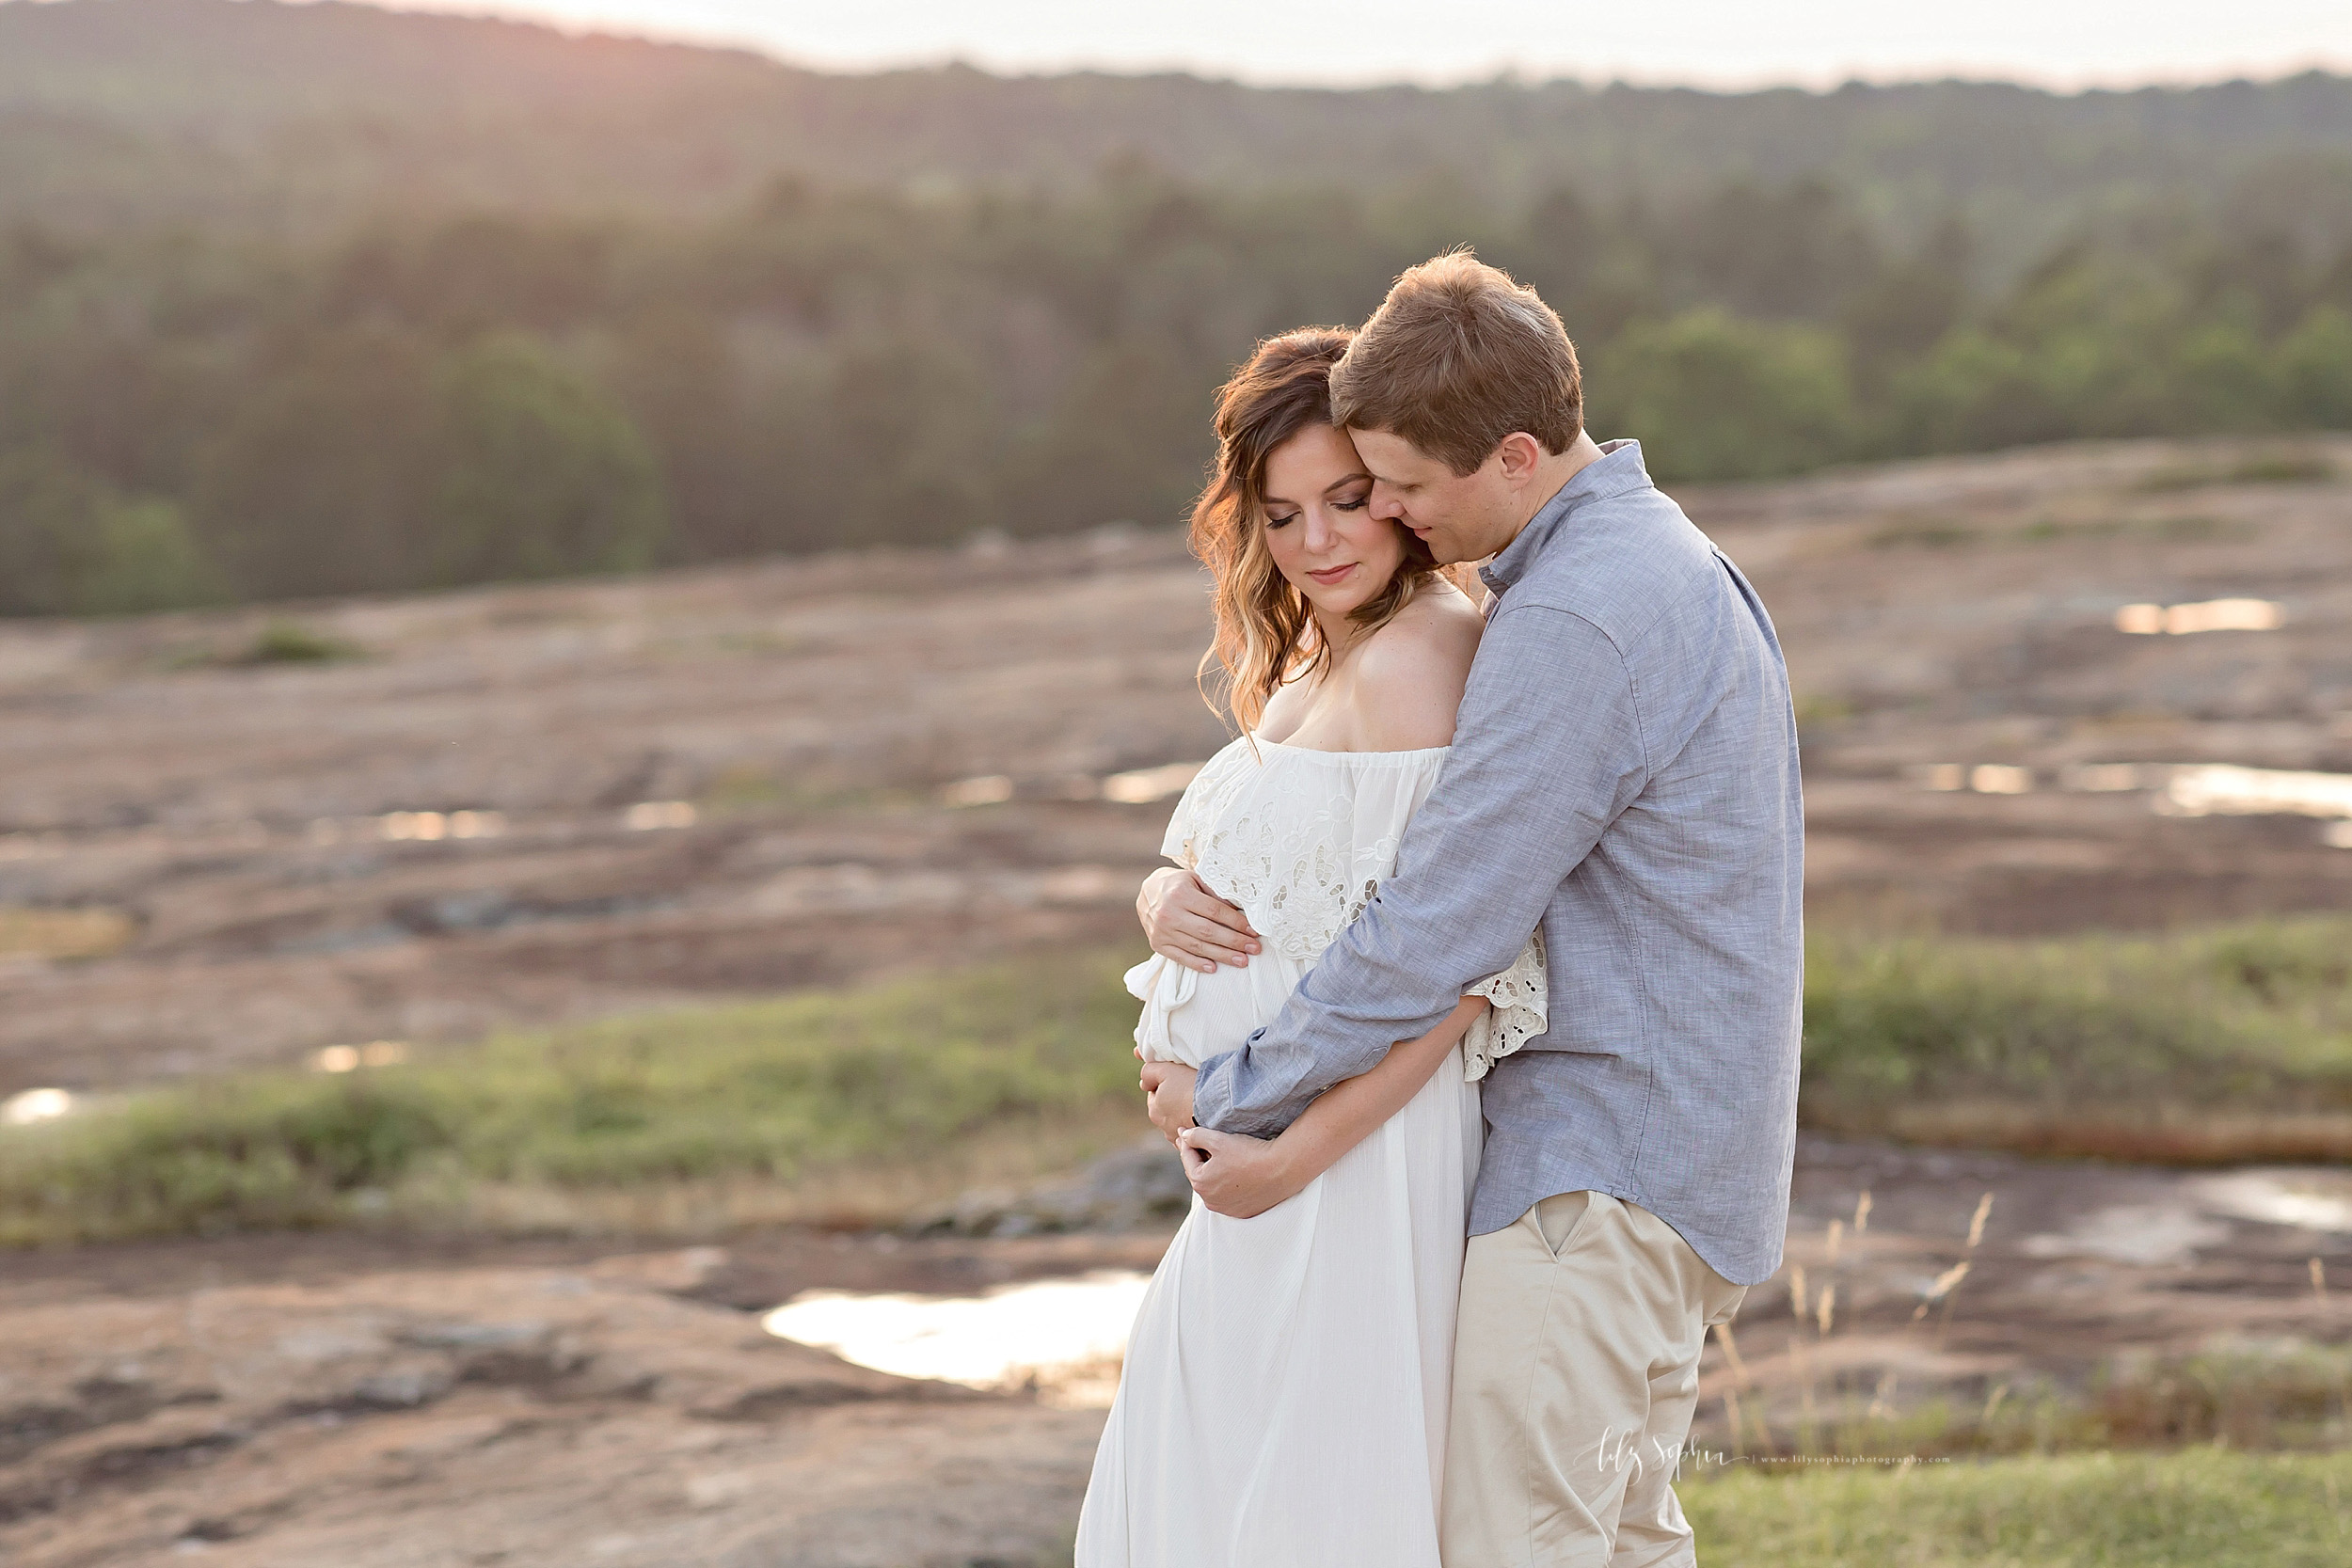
point(1265, 630)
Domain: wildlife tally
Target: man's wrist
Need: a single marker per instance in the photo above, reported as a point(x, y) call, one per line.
point(1207, 1107)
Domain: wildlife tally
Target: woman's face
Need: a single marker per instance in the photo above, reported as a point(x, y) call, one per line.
point(1319, 526)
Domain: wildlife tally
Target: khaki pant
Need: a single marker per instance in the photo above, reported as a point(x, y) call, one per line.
point(1576, 1371)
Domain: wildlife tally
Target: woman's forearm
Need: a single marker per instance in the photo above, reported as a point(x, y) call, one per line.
point(1346, 1114)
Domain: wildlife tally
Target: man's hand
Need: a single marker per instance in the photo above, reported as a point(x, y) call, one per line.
point(1241, 1178)
point(1187, 923)
point(1168, 1097)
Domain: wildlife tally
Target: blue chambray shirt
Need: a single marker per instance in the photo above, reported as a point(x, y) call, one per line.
point(1624, 773)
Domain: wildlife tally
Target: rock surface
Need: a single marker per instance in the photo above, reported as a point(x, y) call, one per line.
point(1139, 1188)
point(352, 1401)
point(248, 834)
point(502, 1416)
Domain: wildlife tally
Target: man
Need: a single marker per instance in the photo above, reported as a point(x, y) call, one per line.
point(1623, 778)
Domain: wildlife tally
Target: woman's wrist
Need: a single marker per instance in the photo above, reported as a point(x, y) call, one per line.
point(1294, 1160)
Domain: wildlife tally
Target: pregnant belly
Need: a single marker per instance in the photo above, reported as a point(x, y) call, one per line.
point(1189, 1017)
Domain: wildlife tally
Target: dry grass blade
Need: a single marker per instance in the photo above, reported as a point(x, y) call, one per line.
point(1732, 1358)
point(1976, 1221)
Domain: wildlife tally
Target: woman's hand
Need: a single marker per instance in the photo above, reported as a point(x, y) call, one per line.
point(1187, 923)
point(1168, 1095)
point(1237, 1176)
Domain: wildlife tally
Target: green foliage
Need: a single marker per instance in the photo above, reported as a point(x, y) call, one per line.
point(774, 1088)
point(2315, 363)
point(2204, 1508)
point(71, 544)
point(2276, 1393)
point(2247, 1020)
point(146, 559)
point(382, 301)
point(2251, 1017)
point(292, 643)
point(319, 478)
point(1722, 398)
point(375, 460)
point(2248, 1395)
point(287, 115)
point(542, 476)
point(2283, 466)
point(460, 398)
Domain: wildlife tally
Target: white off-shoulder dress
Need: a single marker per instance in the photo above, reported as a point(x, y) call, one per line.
point(1284, 1402)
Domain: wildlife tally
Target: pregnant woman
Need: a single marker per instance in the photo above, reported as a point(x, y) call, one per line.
point(1284, 1399)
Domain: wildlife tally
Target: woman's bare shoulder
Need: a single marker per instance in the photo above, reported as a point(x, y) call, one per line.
point(1409, 675)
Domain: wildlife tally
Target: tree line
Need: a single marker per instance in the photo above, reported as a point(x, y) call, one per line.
point(193, 415)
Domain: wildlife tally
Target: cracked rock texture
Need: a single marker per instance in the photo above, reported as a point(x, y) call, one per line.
point(502, 1415)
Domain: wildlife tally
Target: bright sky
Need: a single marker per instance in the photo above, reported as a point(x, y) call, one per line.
point(1715, 42)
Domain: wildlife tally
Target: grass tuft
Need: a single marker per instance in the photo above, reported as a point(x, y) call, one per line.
point(63, 934)
point(291, 642)
point(781, 1091)
point(2204, 1508)
point(2098, 1040)
point(2225, 1044)
point(2288, 466)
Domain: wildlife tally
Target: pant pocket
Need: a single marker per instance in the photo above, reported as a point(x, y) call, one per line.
point(1559, 1217)
point(1727, 1305)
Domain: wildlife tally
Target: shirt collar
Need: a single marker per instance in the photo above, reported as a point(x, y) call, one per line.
point(1616, 471)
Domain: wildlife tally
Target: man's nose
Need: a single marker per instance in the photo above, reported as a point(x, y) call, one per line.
point(1385, 504)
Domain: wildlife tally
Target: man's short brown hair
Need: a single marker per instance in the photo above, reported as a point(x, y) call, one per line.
point(1457, 357)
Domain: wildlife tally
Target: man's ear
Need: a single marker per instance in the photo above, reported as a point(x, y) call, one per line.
point(1519, 454)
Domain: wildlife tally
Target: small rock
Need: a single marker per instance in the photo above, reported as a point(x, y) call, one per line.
point(475, 1335)
point(1132, 1189)
point(676, 1273)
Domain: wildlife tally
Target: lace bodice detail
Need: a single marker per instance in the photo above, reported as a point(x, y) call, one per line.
point(1301, 840)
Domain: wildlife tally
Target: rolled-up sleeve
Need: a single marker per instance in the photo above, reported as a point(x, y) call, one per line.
point(1548, 750)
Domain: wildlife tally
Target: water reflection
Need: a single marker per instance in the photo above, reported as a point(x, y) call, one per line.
point(431, 827)
point(2181, 620)
point(2105, 778)
point(1062, 1336)
point(32, 1106)
point(2315, 1199)
point(2216, 789)
point(350, 1058)
point(989, 789)
point(2185, 789)
point(1994, 778)
point(1140, 787)
point(1146, 784)
point(1987, 778)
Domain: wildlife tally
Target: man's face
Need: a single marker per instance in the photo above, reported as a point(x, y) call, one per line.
point(1460, 516)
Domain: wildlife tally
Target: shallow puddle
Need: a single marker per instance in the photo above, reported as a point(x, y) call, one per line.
point(2313, 1200)
point(2218, 789)
point(1062, 1338)
point(21, 1110)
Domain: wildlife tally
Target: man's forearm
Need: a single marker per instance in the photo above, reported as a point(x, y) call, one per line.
point(1261, 1087)
point(1548, 752)
point(1346, 1114)
point(1237, 1093)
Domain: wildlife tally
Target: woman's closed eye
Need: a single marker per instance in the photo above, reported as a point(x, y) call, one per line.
point(1272, 521)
